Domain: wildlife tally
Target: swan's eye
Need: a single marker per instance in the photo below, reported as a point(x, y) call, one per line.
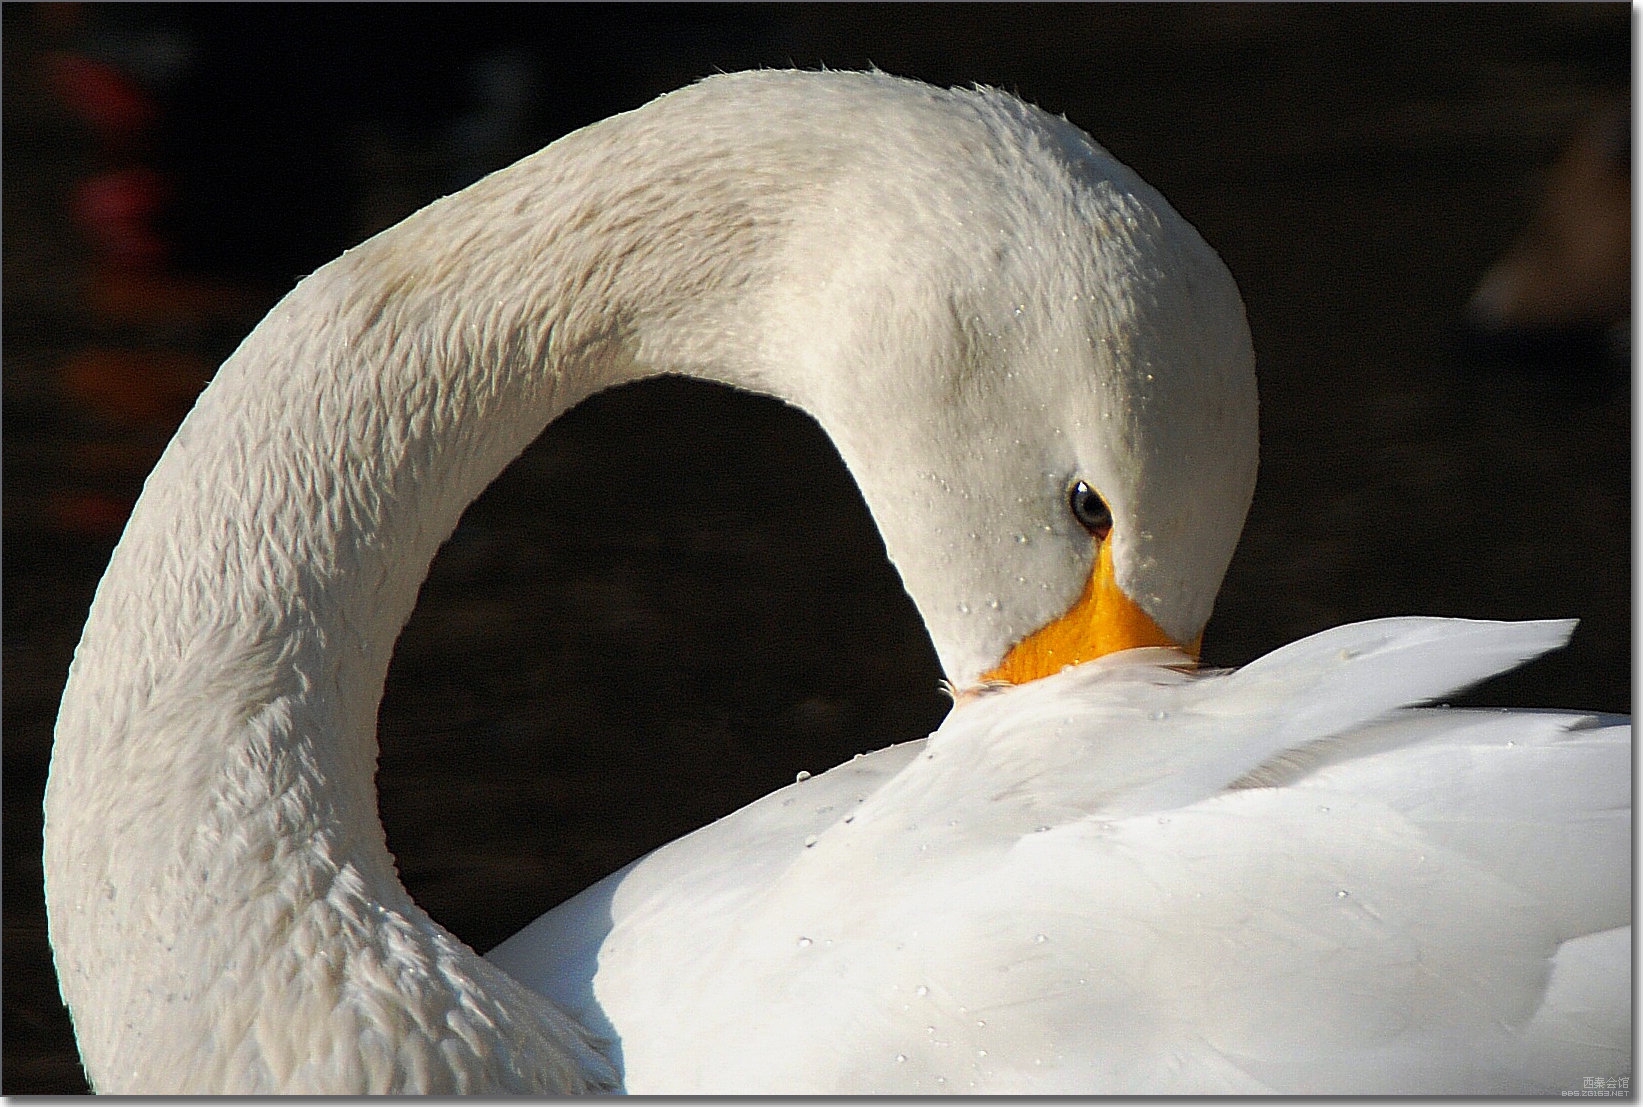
point(1090, 509)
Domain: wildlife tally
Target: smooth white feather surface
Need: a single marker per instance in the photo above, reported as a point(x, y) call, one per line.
point(1081, 885)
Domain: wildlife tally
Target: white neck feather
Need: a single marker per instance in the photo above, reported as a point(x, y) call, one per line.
point(223, 907)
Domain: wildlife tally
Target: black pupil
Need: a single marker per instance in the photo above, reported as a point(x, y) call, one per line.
point(1090, 509)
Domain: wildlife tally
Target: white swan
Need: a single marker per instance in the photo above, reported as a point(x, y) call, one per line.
point(1122, 876)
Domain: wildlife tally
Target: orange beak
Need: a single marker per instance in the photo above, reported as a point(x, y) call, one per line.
point(1103, 621)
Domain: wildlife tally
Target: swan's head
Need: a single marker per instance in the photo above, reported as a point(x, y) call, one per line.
point(1035, 341)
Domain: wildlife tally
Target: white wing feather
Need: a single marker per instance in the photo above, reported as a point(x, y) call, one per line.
point(1129, 878)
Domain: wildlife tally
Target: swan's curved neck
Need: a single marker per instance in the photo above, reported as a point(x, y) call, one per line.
point(222, 904)
point(212, 822)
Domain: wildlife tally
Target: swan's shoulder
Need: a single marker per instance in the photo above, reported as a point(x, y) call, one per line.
point(690, 884)
point(1130, 877)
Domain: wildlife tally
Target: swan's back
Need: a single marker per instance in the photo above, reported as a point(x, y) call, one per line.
point(1128, 879)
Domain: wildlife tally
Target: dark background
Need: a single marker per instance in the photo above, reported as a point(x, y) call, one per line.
point(675, 600)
